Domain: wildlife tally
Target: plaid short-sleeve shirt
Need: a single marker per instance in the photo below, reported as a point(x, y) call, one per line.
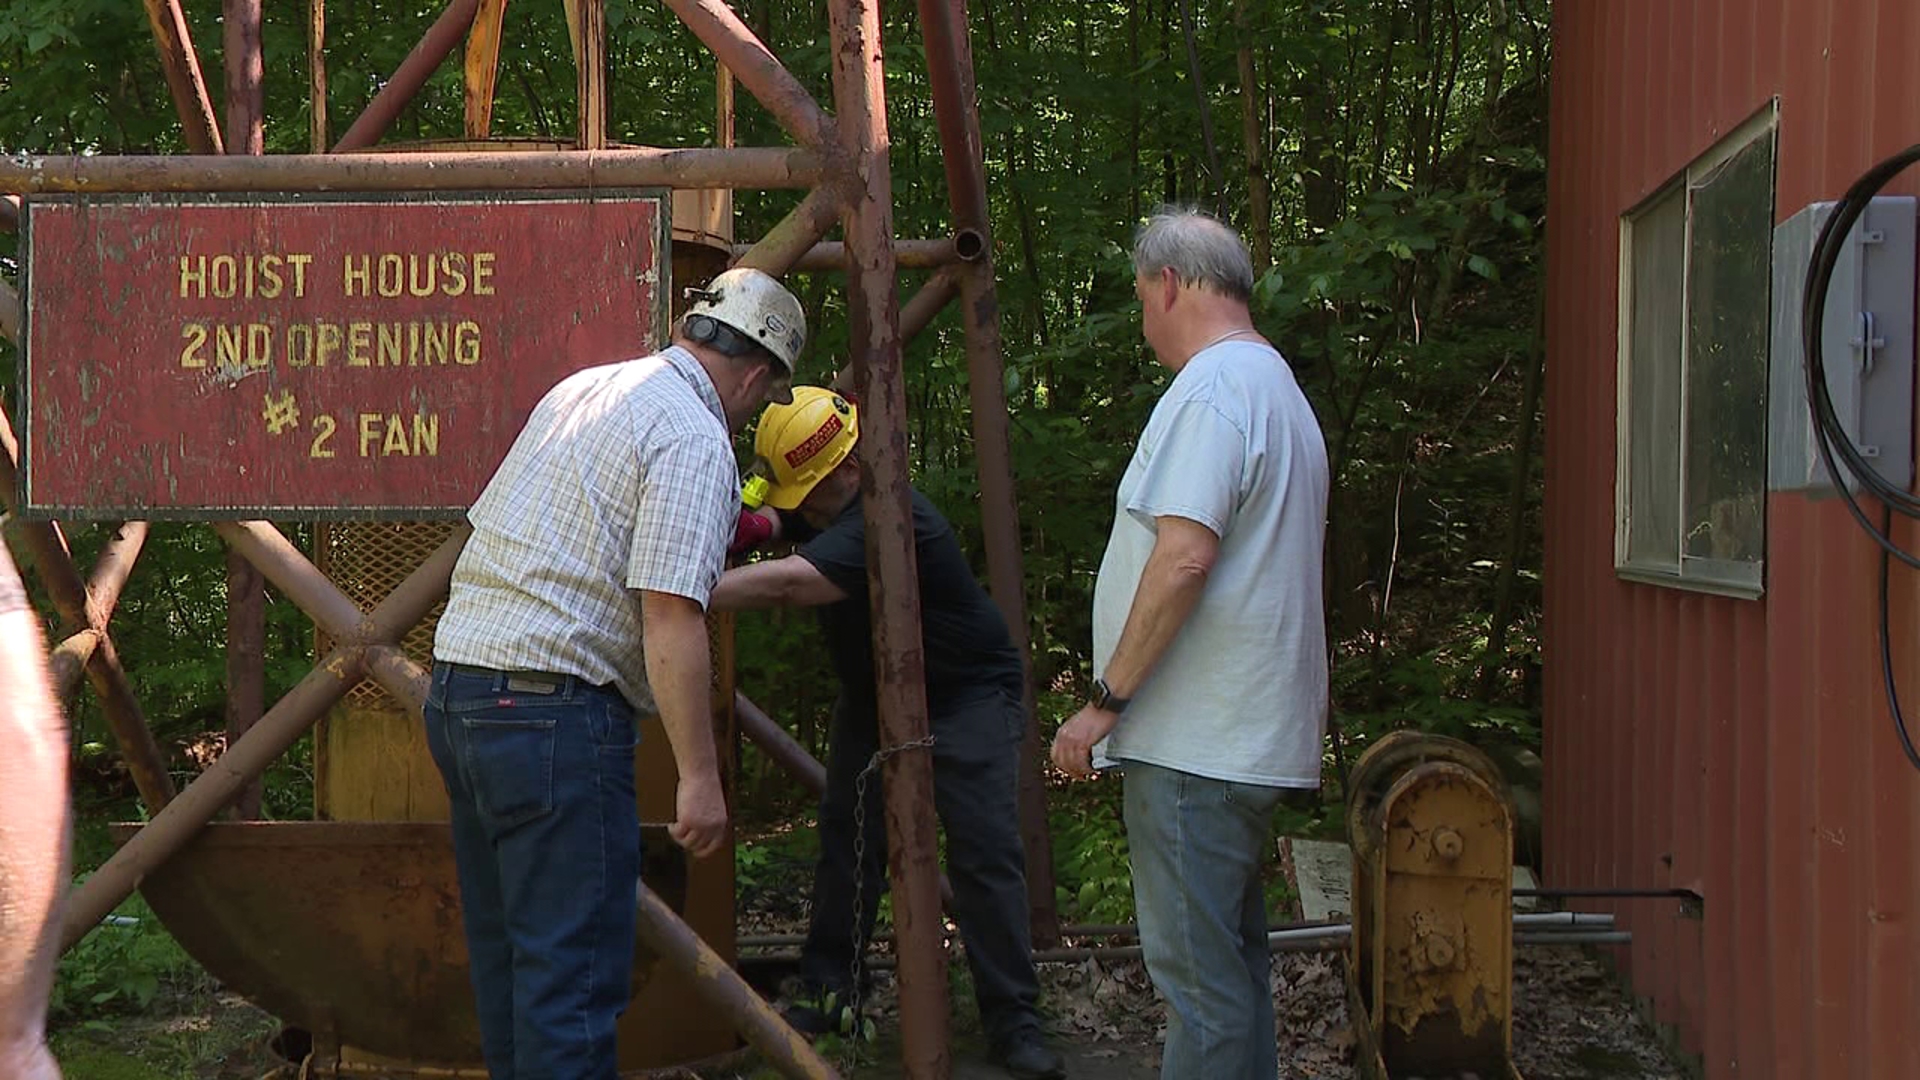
point(623, 478)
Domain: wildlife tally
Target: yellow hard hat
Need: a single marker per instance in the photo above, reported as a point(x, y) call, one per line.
point(801, 442)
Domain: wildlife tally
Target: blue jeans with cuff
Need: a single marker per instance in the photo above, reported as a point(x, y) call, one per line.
point(539, 771)
point(1196, 846)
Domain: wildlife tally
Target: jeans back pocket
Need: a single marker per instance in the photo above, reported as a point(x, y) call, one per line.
point(508, 756)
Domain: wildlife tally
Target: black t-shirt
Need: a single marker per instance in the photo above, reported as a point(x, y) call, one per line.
point(968, 652)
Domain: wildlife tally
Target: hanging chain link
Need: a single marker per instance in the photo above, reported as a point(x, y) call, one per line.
point(855, 991)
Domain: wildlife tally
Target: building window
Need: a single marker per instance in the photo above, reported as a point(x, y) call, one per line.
point(1695, 271)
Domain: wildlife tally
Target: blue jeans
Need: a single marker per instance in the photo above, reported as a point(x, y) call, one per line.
point(539, 770)
point(1196, 848)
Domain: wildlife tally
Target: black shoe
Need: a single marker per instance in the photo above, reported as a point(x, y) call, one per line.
point(1029, 1058)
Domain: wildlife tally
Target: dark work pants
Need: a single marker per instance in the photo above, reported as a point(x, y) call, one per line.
point(976, 757)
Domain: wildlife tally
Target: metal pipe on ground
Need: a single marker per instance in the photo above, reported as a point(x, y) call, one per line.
point(182, 819)
point(714, 979)
point(446, 34)
point(1536, 925)
point(1320, 943)
point(490, 170)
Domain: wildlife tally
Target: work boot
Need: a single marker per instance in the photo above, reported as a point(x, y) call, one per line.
point(1028, 1057)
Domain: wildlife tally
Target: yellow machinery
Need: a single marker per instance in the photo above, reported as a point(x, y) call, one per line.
point(1430, 967)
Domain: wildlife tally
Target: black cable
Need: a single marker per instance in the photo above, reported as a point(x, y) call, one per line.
point(1830, 433)
point(1886, 653)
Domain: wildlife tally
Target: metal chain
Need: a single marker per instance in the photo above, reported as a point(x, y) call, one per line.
point(860, 880)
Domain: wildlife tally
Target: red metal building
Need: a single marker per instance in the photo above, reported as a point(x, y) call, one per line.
point(1734, 745)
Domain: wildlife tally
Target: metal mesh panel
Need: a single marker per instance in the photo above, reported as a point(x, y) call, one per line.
point(366, 560)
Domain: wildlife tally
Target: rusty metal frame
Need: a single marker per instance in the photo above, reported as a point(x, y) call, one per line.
point(840, 160)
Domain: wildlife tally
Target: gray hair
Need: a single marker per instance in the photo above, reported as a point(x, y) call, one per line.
point(1199, 249)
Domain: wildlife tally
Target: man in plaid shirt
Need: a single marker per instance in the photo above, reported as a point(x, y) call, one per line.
point(579, 601)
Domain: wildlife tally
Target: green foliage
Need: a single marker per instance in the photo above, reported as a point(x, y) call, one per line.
point(123, 966)
point(1400, 152)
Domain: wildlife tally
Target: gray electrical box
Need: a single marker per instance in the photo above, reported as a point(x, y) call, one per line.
point(1867, 347)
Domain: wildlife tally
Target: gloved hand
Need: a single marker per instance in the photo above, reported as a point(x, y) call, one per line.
point(750, 531)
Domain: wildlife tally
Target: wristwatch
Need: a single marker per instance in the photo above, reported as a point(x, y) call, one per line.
point(1103, 698)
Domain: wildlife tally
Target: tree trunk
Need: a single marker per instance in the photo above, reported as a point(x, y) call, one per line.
point(1519, 483)
point(1381, 137)
point(1253, 136)
point(1214, 180)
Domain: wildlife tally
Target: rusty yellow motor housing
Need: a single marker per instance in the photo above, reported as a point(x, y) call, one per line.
point(1430, 968)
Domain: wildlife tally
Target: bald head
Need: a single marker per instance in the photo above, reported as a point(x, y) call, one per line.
point(1200, 250)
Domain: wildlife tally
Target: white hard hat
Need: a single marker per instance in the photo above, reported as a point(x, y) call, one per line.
point(755, 304)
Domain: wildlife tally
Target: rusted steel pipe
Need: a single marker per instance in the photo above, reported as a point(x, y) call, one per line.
point(317, 75)
point(396, 672)
point(956, 108)
point(246, 589)
point(68, 660)
point(240, 30)
point(246, 663)
point(493, 170)
point(927, 304)
point(715, 980)
point(182, 67)
point(128, 722)
point(793, 759)
point(53, 561)
point(736, 46)
point(482, 67)
point(588, 20)
point(9, 312)
point(410, 600)
point(211, 792)
point(788, 243)
point(445, 35)
point(832, 254)
point(943, 25)
point(899, 666)
point(112, 568)
point(781, 748)
point(266, 547)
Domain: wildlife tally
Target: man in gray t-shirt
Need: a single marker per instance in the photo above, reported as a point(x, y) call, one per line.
point(1209, 644)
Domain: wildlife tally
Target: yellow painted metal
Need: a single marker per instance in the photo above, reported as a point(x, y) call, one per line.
point(1431, 960)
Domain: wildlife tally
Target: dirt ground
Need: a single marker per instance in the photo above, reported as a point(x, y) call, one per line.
point(1572, 1022)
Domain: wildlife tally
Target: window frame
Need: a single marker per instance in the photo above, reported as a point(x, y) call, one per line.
point(1723, 577)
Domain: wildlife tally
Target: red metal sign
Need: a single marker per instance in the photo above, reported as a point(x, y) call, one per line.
point(312, 357)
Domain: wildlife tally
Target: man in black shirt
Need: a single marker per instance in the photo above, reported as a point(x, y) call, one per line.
point(974, 691)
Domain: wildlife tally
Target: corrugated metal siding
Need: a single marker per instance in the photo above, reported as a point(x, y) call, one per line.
point(1739, 748)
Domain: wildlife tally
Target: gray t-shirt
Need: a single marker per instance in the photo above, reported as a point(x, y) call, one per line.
point(1241, 693)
